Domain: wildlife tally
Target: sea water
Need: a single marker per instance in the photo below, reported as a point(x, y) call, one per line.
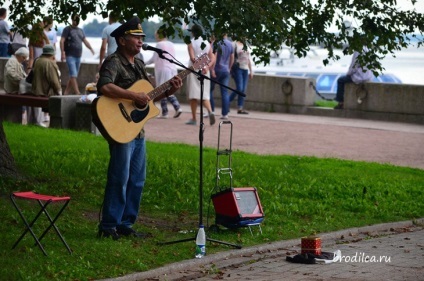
point(408, 65)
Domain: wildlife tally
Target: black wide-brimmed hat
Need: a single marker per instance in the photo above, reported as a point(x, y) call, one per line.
point(133, 26)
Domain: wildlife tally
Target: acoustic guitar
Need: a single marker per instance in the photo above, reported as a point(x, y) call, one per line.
point(121, 120)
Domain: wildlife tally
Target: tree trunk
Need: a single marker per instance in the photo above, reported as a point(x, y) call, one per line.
point(7, 162)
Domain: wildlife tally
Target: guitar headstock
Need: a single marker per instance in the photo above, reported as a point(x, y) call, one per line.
point(201, 61)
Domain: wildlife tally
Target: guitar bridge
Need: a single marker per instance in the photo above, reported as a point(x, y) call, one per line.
point(124, 112)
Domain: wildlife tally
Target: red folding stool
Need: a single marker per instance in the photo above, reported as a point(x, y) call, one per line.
point(44, 201)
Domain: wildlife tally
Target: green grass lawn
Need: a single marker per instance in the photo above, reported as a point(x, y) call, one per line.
point(325, 103)
point(300, 196)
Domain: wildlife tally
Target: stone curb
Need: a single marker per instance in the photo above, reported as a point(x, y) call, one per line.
point(234, 254)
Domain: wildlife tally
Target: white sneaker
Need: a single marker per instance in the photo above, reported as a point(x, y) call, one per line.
point(178, 113)
point(41, 125)
point(224, 117)
point(163, 117)
point(206, 115)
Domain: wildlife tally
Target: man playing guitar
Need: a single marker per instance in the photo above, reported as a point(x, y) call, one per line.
point(127, 165)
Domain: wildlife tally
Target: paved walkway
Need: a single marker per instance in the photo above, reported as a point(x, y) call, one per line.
point(393, 251)
point(402, 243)
point(399, 144)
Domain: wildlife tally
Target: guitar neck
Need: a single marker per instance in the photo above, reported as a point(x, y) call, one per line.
point(165, 86)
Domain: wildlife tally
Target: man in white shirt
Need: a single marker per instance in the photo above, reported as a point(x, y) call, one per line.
point(107, 40)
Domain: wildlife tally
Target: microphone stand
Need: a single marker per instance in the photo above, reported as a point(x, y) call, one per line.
point(201, 78)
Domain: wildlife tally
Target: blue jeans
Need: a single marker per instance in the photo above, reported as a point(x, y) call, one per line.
point(3, 50)
point(164, 104)
point(125, 181)
point(223, 78)
point(241, 77)
point(340, 87)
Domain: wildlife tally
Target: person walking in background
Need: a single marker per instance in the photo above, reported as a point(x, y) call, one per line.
point(4, 34)
point(165, 70)
point(37, 40)
point(356, 74)
point(50, 32)
point(108, 42)
point(197, 47)
point(71, 51)
point(52, 36)
point(241, 71)
point(127, 163)
point(223, 51)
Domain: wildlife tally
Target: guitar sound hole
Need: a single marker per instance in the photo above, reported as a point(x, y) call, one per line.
point(139, 115)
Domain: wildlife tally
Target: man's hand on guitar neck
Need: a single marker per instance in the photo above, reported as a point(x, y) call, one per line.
point(176, 83)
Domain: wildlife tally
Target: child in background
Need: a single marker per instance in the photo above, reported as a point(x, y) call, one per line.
point(90, 91)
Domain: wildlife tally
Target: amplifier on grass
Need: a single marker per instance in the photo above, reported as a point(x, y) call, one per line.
point(236, 207)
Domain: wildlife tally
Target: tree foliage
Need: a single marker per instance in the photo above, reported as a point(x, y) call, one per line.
point(95, 28)
point(265, 24)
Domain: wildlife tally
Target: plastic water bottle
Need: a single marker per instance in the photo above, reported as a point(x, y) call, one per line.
point(201, 242)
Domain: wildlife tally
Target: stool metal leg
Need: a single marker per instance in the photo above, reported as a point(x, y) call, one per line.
point(28, 226)
point(52, 224)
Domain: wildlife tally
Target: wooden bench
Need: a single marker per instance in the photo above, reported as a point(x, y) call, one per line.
point(62, 109)
point(24, 100)
point(11, 105)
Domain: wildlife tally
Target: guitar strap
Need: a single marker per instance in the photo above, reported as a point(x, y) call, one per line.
point(142, 72)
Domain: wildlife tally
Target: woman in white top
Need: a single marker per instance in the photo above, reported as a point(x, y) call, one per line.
point(164, 71)
point(193, 84)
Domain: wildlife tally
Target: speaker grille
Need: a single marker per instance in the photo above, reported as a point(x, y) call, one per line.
point(247, 202)
point(237, 207)
point(241, 202)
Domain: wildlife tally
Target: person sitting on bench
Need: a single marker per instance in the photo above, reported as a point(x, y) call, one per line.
point(356, 74)
point(46, 80)
point(14, 71)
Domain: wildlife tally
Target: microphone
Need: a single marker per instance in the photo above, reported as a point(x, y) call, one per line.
point(147, 47)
